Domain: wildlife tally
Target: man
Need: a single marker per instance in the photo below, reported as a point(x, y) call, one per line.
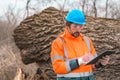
point(71, 50)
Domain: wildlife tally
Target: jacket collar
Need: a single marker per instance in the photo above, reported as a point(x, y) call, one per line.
point(67, 34)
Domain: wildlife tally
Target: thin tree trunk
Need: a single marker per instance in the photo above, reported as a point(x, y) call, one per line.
point(106, 8)
point(95, 9)
point(27, 7)
point(83, 6)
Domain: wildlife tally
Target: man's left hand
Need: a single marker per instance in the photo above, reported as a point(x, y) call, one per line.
point(105, 60)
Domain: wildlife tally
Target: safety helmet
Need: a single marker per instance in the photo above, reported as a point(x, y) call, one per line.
point(76, 16)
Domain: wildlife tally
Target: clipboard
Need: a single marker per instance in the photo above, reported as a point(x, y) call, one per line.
point(94, 60)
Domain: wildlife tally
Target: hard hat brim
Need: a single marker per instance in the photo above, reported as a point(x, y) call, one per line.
point(83, 23)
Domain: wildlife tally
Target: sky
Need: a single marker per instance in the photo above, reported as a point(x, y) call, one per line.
point(4, 4)
point(19, 5)
point(16, 4)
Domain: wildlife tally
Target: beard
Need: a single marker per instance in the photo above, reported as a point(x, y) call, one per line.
point(76, 34)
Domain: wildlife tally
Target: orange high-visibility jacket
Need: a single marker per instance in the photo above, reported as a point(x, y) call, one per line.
point(66, 49)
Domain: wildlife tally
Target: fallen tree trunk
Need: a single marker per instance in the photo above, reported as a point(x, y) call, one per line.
point(34, 36)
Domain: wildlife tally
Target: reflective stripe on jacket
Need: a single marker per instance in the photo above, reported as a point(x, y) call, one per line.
point(76, 78)
point(66, 50)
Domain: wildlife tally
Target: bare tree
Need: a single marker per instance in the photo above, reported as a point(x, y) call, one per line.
point(64, 3)
point(27, 7)
point(83, 5)
point(11, 17)
point(38, 5)
point(88, 8)
point(61, 5)
point(95, 8)
point(106, 8)
point(112, 10)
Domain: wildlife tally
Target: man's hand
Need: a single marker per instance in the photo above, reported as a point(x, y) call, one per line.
point(101, 62)
point(85, 59)
point(105, 60)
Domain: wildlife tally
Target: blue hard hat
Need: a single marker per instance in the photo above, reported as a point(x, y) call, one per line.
point(76, 16)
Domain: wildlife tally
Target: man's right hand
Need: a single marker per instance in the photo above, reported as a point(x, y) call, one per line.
point(85, 59)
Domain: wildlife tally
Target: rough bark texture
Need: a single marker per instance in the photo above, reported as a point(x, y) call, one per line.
point(34, 36)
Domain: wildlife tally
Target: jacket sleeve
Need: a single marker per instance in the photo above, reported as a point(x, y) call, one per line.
point(60, 65)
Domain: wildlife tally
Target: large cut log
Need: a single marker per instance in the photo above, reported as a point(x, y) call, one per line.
point(34, 36)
